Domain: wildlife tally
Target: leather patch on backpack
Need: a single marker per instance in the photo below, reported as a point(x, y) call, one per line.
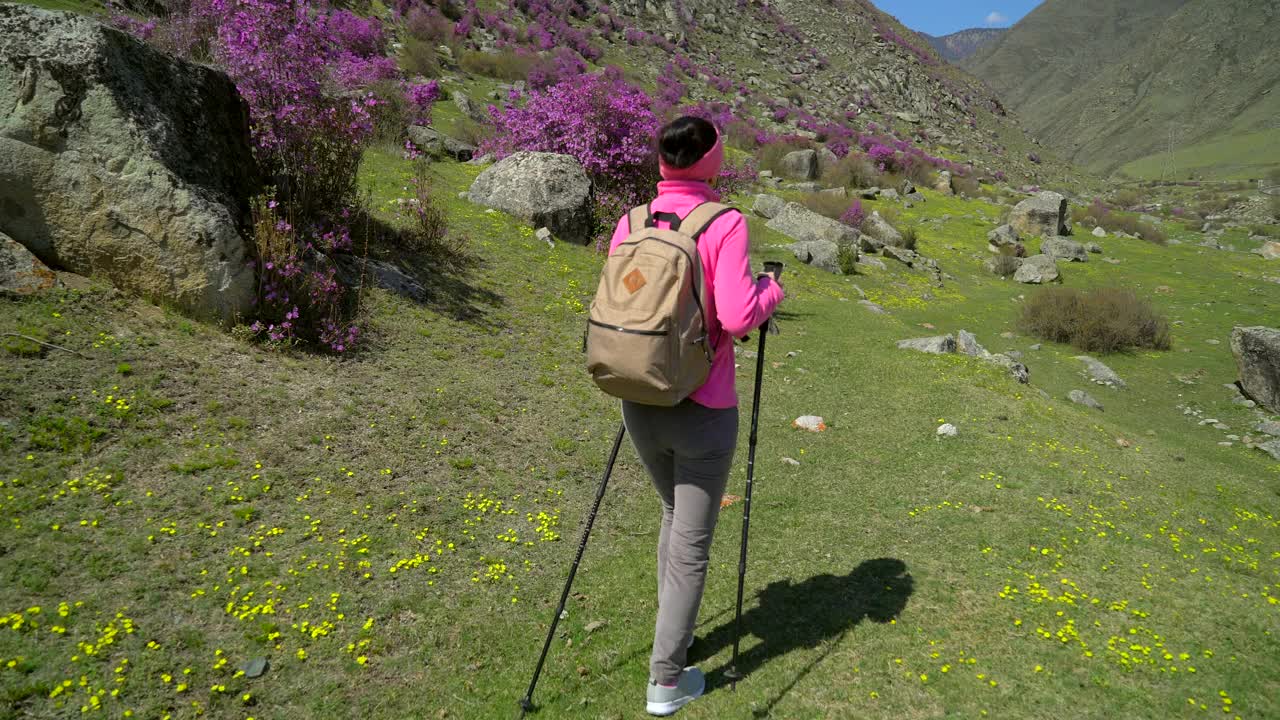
point(634, 281)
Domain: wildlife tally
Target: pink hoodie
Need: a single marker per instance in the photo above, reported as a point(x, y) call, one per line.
point(735, 302)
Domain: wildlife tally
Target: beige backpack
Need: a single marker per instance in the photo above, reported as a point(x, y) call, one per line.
point(646, 336)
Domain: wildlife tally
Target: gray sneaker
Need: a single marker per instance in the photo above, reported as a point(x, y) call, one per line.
point(663, 701)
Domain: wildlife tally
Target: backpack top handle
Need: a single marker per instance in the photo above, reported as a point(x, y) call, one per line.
point(699, 219)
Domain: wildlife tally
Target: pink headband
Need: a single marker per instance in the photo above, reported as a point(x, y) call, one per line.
point(707, 167)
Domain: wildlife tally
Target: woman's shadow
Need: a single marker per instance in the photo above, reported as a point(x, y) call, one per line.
point(791, 616)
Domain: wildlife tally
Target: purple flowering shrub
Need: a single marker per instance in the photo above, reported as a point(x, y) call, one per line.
point(854, 215)
point(562, 65)
point(299, 296)
point(600, 119)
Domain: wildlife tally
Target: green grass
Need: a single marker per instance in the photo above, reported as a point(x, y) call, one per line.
point(1240, 157)
point(391, 529)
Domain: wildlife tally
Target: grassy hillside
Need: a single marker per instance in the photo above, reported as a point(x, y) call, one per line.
point(1110, 85)
point(390, 529)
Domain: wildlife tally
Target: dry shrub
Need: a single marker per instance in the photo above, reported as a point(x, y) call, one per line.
point(966, 186)
point(920, 172)
point(1006, 263)
point(1127, 198)
point(770, 156)
point(910, 237)
point(426, 227)
point(854, 171)
point(471, 132)
point(503, 65)
point(419, 57)
point(1103, 321)
point(827, 204)
point(742, 135)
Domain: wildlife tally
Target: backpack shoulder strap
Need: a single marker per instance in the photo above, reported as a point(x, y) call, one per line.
point(701, 218)
point(638, 218)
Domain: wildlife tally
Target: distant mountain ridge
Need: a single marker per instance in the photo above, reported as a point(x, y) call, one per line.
point(1107, 82)
point(963, 43)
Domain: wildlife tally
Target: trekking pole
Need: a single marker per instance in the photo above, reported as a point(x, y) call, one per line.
point(526, 703)
point(733, 674)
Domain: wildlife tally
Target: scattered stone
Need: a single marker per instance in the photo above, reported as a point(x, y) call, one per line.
point(1037, 270)
point(1100, 373)
point(948, 430)
point(1098, 232)
point(22, 273)
point(1257, 353)
point(478, 112)
point(430, 140)
point(939, 345)
point(800, 165)
point(889, 194)
point(1081, 397)
point(1061, 248)
point(839, 192)
point(1015, 354)
point(1212, 341)
point(812, 423)
point(1036, 347)
point(967, 344)
point(874, 262)
point(790, 461)
point(544, 234)
point(595, 625)
point(906, 187)
point(1044, 213)
point(544, 189)
point(1015, 368)
point(1093, 248)
point(119, 161)
point(1270, 250)
point(873, 307)
point(1268, 427)
point(768, 206)
point(870, 193)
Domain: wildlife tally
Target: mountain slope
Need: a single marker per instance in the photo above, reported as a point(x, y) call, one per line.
point(1105, 84)
point(962, 44)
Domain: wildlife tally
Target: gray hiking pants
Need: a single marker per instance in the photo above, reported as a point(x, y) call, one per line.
point(688, 451)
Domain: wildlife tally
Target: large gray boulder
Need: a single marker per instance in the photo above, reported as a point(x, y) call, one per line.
point(1257, 351)
point(1044, 213)
point(430, 140)
point(544, 189)
point(1061, 248)
point(1037, 270)
point(879, 229)
point(802, 224)
point(22, 273)
point(768, 206)
point(800, 165)
point(1081, 397)
point(821, 254)
point(122, 162)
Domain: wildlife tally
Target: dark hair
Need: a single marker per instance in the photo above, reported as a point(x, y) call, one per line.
point(684, 141)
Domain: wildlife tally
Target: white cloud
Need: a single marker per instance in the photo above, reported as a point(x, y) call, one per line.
point(997, 18)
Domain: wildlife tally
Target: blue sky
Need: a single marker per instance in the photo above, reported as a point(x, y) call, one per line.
point(940, 17)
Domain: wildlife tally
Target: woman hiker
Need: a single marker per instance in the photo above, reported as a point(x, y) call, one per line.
point(688, 449)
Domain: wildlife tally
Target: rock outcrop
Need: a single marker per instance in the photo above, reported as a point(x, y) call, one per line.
point(544, 189)
point(1257, 351)
point(800, 223)
point(430, 140)
point(122, 162)
point(800, 165)
point(22, 273)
